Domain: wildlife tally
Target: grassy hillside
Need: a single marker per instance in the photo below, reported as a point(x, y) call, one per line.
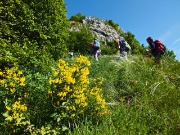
point(84, 96)
point(143, 97)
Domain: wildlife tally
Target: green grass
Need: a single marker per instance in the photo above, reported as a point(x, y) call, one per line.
point(143, 97)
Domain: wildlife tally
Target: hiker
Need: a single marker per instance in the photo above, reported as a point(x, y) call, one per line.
point(96, 48)
point(123, 46)
point(157, 48)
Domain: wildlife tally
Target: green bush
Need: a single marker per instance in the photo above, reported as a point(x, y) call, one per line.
point(80, 41)
point(109, 49)
point(77, 18)
point(60, 97)
point(113, 24)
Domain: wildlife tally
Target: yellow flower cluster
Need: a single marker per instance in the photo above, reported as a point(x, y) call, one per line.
point(62, 74)
point(82, 61)
point(96, 92)
point(12, 78)
point(11, 81)
point(16, 112)
point(70, 84)
point(18, 106)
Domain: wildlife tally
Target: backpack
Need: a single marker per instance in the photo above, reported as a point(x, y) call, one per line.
point(92, 44)
point(124, 45)
point(96, 43)
point(160, 47)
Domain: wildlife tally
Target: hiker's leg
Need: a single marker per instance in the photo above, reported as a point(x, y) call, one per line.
point(157, 57)
point(123, 54)
point(96, 56)
point(98, 52)
point(95, 53)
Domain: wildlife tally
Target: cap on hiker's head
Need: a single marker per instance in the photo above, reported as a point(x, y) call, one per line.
point(149, 39)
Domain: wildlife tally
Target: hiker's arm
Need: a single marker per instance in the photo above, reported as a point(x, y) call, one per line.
point(147, 50)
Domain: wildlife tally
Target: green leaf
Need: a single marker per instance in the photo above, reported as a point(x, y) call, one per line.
point(5, 114)
point(64, 128)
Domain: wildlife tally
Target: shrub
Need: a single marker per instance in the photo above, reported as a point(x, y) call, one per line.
point(12, 99)
point(77, 18)
point(109, 49)
point(79, 41)
point(113, 24)
point(28, 103)
point(69, 93)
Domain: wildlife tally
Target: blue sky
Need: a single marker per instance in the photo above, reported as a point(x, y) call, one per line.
point(159, 19)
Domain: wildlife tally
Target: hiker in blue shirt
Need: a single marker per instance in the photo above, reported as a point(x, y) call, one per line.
point(96, 48)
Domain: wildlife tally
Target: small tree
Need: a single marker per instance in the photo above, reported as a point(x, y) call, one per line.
point(113, 24)
point(77, 18)
point(80, 41)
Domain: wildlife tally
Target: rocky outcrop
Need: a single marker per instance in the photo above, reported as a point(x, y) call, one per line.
point(99, 28)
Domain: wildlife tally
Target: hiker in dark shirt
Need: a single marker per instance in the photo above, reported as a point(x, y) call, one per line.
point(157, 48)
point(123, 46)
point(151, 45)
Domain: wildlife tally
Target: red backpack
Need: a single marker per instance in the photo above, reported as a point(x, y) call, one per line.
point(160, 48)
point(92, 44)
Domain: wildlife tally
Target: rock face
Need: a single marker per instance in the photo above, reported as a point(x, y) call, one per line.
point(100, 29)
